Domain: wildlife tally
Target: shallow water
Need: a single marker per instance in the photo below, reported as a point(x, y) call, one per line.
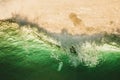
point(23, 56)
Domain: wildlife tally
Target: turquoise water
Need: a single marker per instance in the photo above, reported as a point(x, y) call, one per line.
point(23, 56)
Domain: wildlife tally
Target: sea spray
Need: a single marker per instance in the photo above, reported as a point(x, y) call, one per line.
point(88, 47)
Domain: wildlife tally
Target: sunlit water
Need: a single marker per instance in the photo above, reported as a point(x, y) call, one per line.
point(23, 56)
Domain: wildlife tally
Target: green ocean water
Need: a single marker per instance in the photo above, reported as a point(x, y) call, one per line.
point(24, 56)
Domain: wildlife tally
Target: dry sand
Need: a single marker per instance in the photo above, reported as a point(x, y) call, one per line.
point(76, 16)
